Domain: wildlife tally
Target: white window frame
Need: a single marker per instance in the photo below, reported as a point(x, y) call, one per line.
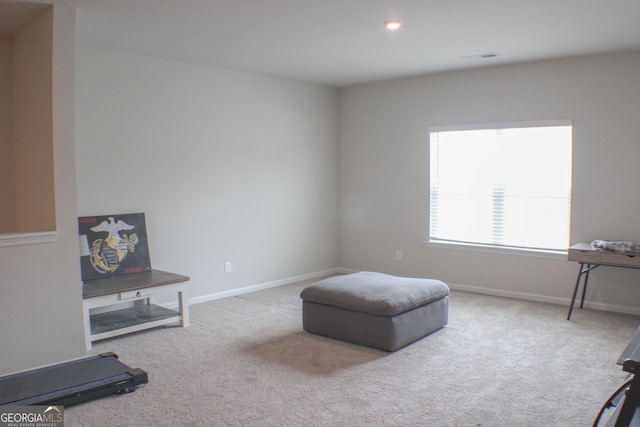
point(506, 250)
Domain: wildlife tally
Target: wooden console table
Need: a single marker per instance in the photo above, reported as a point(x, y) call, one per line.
point(589, 259)
point(135, 293)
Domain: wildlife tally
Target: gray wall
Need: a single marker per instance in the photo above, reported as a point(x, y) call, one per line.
point(384, 171)
point(268, 174)
point(227, 166)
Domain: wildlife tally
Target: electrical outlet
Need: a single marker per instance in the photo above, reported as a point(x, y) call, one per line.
point(227, 267)
point(398, 255)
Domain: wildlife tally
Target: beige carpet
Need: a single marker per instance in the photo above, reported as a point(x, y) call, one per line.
point(245, 361)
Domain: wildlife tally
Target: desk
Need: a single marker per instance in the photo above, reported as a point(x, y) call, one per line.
point(589, 259)
point(134, 292)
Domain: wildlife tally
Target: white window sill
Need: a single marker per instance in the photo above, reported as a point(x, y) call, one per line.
point(17, 239)
point(501, 250)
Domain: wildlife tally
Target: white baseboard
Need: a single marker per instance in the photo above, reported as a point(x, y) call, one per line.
point(545, 299)
point(258, 287)
point(509, 294)
point(456, 287)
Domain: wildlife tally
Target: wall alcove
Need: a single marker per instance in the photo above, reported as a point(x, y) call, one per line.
point(27, 210)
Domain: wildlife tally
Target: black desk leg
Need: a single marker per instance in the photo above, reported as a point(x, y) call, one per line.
point(575, 291)
point(583, 272)
point(586, 280)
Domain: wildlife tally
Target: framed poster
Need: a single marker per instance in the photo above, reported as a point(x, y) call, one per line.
point(113, 245)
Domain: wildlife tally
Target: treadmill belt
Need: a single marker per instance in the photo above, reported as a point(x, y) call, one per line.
point(72, 382)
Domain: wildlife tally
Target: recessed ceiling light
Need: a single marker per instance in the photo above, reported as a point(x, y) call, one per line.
point(392, 25)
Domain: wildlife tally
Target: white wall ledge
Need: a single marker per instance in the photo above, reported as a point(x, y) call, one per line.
point(501, 250)
point(17, 239)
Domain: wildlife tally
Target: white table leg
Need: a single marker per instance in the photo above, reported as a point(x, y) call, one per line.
point(86, 312)
point(184, 308)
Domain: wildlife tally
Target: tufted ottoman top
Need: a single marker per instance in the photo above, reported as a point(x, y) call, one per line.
point(375, 293)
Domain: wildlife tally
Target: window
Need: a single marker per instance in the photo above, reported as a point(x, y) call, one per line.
point(501, 185)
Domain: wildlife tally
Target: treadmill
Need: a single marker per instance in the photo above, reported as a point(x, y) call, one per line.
point(70, 383)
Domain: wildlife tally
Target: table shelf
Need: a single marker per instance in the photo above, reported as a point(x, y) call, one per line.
point(128, 300)
point(131, 318)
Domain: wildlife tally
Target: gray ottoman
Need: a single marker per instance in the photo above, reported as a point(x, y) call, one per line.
point(374, 309)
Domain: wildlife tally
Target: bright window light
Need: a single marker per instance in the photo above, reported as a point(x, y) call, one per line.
point(501, 186)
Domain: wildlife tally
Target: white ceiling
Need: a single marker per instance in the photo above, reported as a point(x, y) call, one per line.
point(343, 42)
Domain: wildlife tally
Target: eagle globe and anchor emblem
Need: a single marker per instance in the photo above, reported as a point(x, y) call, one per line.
point(107, 254)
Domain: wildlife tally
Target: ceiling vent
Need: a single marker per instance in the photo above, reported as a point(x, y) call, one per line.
point(480, 56)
